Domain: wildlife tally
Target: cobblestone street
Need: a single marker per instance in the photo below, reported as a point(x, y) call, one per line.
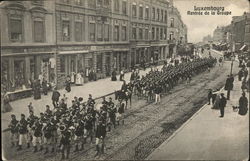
point(147, 125)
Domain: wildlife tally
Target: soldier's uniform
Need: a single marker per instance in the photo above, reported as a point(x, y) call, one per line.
point(37, 134)
point(65, 141)
point(100, 134)
point(112, 114)
point(13, 131)
point(78, 134)
point(23, 132)
point(48, 135)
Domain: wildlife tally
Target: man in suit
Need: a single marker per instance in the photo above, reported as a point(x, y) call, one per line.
point(55, 97)
point(229, 86)
point(223, 102)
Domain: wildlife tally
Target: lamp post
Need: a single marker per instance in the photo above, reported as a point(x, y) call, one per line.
point(232, 63)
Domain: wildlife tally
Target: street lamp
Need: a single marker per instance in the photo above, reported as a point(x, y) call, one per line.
point(232, 63)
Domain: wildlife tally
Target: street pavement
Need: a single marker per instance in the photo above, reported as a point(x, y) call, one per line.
point(206, 136)
point(97, 89)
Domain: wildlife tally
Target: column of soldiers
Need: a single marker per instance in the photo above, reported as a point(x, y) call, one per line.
point(162, 81)
point(64, 127)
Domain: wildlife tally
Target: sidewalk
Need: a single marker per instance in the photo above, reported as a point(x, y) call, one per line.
point(97, 89)
point(206, 136)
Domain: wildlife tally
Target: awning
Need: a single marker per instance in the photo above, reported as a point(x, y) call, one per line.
point(243, 47)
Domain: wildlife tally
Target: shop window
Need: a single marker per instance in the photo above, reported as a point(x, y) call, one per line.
point(106, 32)
point(124, 7)
point(116, 5)
point(92, 31)
point(78, 31)
point(19, 81)
point(116, 33)
point(140, 33)
point(147, 13)
point(15, 27)
point(66, 30)
point(99, 63)
point(134, 10)
point(99, 32)
point(5, 83)
point(134, 33)
point(39, 31)
point(124, 33)
point(141, 12)
point(62, 64)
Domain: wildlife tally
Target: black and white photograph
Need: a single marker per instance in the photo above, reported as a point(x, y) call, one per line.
point(125, 80)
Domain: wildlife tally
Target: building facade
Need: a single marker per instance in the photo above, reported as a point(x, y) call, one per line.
point(27, 43)
point(54, 39)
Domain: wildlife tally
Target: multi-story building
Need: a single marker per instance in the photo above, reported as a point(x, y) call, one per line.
point(240, 28)
point(54, 39)
point(27, 43)
point(207, 39)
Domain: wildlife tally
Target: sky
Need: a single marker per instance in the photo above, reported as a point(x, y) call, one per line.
point(202, 25)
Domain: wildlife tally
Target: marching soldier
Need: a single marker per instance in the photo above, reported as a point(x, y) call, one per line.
point(14, 131)
point(48, 134)
point(120, 110)
point(23, 132)
point(37, 134)
point(100, 135)
point(112, 114)
point(65, 141)
point(78, 133)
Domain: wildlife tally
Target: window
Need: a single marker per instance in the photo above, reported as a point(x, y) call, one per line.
point(124, 33)
point(140, 12)
point(124, 7)
point(157, 33)
point(78, 2)
point(134, 10)
point(37, 2)
point(165, 17)
point(78, 31)
point(161, 34)
point(92, 31)
point(146, 34)
point(162, 15)
point(171, 36)
point(106, 2)
point(16, 33)
point(116, 5)
point(116, 33)
point(99, 3)
point(66, 30)
point(153, 33)
point(99, 31)
point(165, 34)
point(91, 4)
point(65, 1)
point(62, 64)
point(147, 13)
point(153, 13)
point(134, 33)
point(106, 32)
point(172, 22)
point(39, 31)
point(158, 14)
point(140, 33)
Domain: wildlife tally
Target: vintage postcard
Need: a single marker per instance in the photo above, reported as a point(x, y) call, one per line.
point(125, 80)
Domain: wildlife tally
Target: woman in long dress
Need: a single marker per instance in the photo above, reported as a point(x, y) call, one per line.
point(79, 79)
point(113, 77)
point(216, 104)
